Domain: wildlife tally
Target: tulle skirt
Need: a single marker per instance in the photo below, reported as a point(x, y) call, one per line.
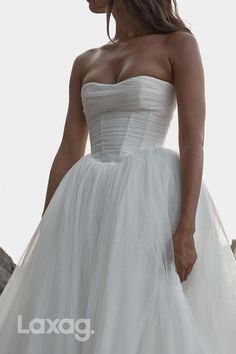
point(98, 275)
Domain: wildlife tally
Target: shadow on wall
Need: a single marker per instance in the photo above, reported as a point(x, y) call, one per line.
point(7, 266)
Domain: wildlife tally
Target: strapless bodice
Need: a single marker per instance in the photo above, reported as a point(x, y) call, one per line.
point(127, 116)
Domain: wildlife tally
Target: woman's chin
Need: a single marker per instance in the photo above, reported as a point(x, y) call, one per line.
point(96, 8)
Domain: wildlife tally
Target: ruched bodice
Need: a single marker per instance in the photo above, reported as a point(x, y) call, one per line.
point(103, 251)
point(127, 116)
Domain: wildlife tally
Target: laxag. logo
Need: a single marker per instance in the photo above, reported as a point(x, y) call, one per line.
point(57, 326)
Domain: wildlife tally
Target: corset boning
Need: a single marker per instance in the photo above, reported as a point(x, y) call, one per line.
point(126, 118)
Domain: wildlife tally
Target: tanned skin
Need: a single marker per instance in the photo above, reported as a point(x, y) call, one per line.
point(173, 57)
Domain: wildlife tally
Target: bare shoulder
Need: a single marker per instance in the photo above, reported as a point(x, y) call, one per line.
point(180, 38)
point(86, 55)
point(81, 61)
point(185, 60)
point(181, 44)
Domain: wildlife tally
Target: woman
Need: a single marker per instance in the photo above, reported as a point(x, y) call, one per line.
point(130, 243)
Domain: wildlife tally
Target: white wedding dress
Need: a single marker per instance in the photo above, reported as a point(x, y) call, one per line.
point(103, 249)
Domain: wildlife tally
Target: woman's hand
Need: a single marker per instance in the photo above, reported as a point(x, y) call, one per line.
point(184, 251)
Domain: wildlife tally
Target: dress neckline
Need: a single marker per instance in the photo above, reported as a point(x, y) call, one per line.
point(148, 77)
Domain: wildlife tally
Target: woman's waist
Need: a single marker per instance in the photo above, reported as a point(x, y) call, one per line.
point(116, 153)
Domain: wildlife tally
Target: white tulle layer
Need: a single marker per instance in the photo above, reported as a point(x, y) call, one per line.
point(103, 251)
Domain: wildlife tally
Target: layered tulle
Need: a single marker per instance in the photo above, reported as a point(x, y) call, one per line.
point(103, 249)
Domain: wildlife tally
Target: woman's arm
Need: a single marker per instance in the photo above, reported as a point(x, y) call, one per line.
point(188, 75)
point(73, 143)
point(189, 81)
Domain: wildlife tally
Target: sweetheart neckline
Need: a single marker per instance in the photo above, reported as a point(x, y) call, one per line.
point(125, 80)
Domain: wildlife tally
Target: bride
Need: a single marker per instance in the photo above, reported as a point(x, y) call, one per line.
point(130, 243)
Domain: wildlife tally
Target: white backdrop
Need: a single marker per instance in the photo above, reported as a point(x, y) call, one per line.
point(39, 41)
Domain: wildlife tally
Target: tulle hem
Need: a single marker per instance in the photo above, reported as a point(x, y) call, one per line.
point(103, 251)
